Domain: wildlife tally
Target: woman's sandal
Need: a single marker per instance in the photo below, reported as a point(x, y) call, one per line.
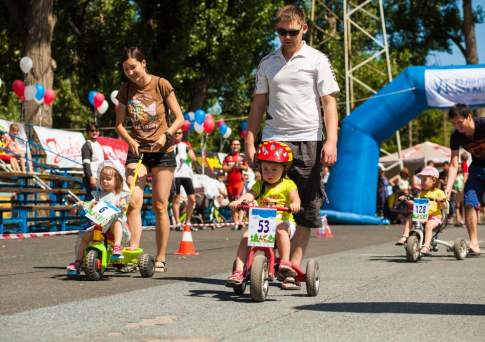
point(160, 266)
point(402, 240)
point(425, 250)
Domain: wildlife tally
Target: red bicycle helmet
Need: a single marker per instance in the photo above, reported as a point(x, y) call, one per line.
point(275, 151)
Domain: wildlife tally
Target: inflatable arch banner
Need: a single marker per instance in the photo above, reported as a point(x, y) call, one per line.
point(352, 187)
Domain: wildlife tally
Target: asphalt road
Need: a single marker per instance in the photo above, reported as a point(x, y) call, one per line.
point(368, 292)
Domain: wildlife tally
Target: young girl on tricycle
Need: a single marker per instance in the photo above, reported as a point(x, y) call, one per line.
point(113, 191)
point(430, 186)
point(273, 190)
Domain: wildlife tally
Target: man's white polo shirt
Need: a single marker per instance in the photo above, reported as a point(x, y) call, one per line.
point(294, 89)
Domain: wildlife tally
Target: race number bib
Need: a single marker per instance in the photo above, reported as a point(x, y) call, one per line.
point(420, 209)
point(262, 227)
point(103, 213)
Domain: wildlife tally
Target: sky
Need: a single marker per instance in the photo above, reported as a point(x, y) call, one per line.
point(456, 57)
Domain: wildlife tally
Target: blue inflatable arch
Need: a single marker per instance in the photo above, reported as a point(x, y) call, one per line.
point(352, 187)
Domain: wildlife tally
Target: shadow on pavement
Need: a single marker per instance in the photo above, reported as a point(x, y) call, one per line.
point(210, 281)
point(454, 309)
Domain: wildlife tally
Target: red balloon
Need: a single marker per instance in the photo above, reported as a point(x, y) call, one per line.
point(220, 122)
point(243, 134)
point(18, 86)
point(186, 126)
point(98, 100)
point(209, 124)
point(49, 96)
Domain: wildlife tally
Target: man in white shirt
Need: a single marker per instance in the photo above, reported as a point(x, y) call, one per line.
point(294, 85)
point(183, 178)
point(92, 155)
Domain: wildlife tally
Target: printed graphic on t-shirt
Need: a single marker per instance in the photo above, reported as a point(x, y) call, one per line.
point(143, 117)
point(476, 148)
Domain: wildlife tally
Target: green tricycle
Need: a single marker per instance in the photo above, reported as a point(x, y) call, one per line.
point(97, 258)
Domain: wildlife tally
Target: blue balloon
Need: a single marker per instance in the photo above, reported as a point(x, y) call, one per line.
point(91, 96)
point(223, 129)
point(186, 116)
point(199, 116)
point(39, 94)
point(244, 125)
point(192, 123)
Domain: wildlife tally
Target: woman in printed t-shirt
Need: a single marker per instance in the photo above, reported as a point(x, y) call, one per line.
point(146, 99)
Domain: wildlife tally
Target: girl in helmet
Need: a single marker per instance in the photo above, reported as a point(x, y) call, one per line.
point(111, 188)
point(274, 189)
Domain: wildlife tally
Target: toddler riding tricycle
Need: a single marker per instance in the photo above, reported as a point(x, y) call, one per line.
point(415, 240)
point(262, 264)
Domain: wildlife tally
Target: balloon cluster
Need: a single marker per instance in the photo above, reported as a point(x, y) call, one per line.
point(199, 121)
point(35, 92)
point(243, 129)
point(224, 129)
point(97, 100)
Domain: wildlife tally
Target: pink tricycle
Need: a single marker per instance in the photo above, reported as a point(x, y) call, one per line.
point(262, 263)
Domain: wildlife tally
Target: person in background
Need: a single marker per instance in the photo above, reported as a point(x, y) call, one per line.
point(234, 165)
point(382, 184)
point(401, 181)
point(92, 155)
point(184, 155)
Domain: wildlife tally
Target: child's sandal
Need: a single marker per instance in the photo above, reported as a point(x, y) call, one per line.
point(425, 250)
point(402, 240)
point(160, 266)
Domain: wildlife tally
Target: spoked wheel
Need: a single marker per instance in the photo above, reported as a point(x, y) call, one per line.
point(312, 278)
point(259, 278)
point(460, 249)
point(92, 265)
point(412, 248)
point(146, 264)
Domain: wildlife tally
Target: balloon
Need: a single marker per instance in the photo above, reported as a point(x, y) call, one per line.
point(243, 134)
point(49, 96)
point(26, 64)
point(244, 125)
point(186, 126)
point(39, 95)
point(220, 122)
point(113, 98)
point(199, 128)
point(186, 116)
point(103, 107)
point(98, 100)
point(228, 133)
point(209, 124)
point(223, 129)
point(199, 116)
point(91, 96)
point(18, 87)
point(30, 92)
point(191, 116)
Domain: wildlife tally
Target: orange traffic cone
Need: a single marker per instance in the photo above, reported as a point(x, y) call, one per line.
point(186, 246)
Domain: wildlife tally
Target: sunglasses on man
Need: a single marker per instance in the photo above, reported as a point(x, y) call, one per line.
point(292, 33)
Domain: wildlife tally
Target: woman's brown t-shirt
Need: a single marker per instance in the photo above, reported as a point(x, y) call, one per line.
point(146, 110)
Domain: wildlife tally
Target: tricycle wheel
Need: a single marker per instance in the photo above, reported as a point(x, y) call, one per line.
point(259, 278)
point(460, 249)
point(93, 266)
point(146, 263)
point(412, 248)
point(312, 278)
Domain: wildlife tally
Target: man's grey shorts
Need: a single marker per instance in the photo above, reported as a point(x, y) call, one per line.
point(305, 172)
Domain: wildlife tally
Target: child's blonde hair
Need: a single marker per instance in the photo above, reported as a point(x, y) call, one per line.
point(118, 179)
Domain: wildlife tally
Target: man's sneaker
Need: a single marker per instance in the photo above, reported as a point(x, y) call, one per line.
point(74, 268)
point(117, 252)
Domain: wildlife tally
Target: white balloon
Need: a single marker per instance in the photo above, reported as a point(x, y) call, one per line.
point(228, 133)
point(26, 64)
point(198, 127)
point(29, 92)
point(103, 108)
point(39, 102)
point(191, 116)
point(113, 98)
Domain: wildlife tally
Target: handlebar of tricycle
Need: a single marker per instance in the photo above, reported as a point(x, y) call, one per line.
point(248, 206)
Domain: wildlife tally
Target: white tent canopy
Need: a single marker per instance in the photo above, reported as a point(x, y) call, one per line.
point(420, 154)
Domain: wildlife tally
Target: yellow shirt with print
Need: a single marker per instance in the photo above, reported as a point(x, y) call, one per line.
point(275, 195)
point(434, 196)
